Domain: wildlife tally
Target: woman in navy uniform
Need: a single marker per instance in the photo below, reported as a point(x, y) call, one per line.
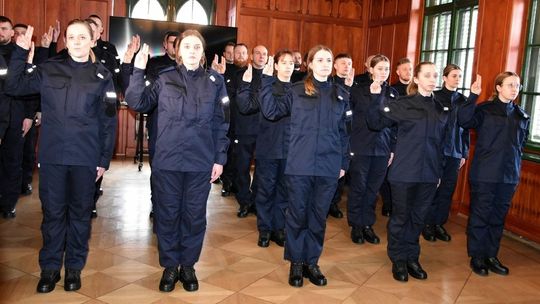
point(190, 151)
point(456, 151)
point(271, 149)
point(78, 104)
point(502, 128)
point(417, 166)
point(317, 157)
point(371, 154)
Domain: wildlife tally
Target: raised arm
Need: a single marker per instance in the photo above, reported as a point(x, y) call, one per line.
point(140, 97)
point(18, 82)
point(273, 107)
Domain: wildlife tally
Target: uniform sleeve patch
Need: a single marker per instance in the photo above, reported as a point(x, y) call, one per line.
point(147, 83)
point(225, 100)
point(392, 95)
point(117, 70)
point(340, 97)
point(352, 154)
point(102, 61)
point(348, 113)
point(213, 78)
point(3, 72)
point(386, 109)
point(100, 75)
point(446, 109)
point(30, 70)
point(111, 94)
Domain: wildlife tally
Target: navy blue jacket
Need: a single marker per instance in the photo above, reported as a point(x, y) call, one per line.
point(400, 87)
point(273, 135)
point(421, 123)
point(457, 141)
point(319, 143)
point(245, 123)
point(78, 105)
point(4, 101)
point(191, 129)
point(502, 130)
point(364, 140)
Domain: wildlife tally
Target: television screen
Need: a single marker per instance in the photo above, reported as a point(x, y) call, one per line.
point(121, 29)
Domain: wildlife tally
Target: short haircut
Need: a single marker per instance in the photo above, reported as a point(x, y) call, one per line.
point(90, 21)
point(342, 55)
point(241, 44)
point(403, 61)
point(95, 16)
point(230, 43)
point(5, 19)
point(24, 26)
point(171, 34)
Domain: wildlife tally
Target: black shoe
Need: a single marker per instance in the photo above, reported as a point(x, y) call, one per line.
point(399, 271)
point(357, 236)
point(386, 213)
point(429, 233)
point(314, 274)
point(48, 280)
point(296, 278)
point(100, 191)
point(151, 215)
point(334, 211)
point(168, 279)
point(441, 234)
point(188, 278)
point(264, 239)
point(278, 237)
point(415, 270)
point(479, 266)
point(494, 265)
point(26, 189)
point(72, 280)
point(9, 214)
point(252, 209)
point(243, 211)
point(370, 236)
point(94, 213)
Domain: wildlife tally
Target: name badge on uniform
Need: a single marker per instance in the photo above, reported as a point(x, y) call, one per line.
point(3, 72)
point(352, 154)
point(386, 109)
point(30, 70)
point(100, 76)
point(348, 113)
point(392, 95)
point(117, 70)
point(446, 109)
point(104, 47)
point(225, 100)
point(213, 78)
point(339, 97)
point(111, 95)
point(147, 83)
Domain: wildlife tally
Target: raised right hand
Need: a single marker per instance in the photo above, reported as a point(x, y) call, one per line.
point(269, 67)
point(218, 66)
point(25, 41)
point(142, 57)
point(248, 74)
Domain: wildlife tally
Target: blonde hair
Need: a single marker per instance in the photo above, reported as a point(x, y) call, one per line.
point(187, 33)
point(309, 86)
point(86, 24)
point(499, 81)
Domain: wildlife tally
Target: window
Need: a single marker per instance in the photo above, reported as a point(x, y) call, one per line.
point(192, 12)
point(189, 11)
point(530, 97)
point(449, 34)
point(148, 9)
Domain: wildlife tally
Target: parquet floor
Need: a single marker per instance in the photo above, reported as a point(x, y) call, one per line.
point(123, 265)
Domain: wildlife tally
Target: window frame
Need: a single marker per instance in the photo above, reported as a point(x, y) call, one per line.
point(453, 8)
point(532, 149)
point(173, 6)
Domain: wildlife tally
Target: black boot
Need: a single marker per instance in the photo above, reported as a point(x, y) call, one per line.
point(370, 236)
point(243, 211)
point(399, 271)
point(264, 239)
point(9, 214)
point(334, 211)
point(48, 280)
point(494, 265)
point(478, 266)
point(26, 189)
point(168, 279)
point(357, 236)
point(441, 234)
point(314, 274)
point(278, 237)
point(72, 280)
point(188, 278)
point(295, 275)
point(429, 233)
point(415, 270)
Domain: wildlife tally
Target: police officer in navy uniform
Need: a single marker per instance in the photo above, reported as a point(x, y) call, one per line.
point(318, 156)
point(191, 149)
point(417, 165)
point(372, 152)
point(100, 43)
point(404, 72)
point(271, 150)
point(4, 102)
point(502, 128)
point(455, 149)
point(76, 146)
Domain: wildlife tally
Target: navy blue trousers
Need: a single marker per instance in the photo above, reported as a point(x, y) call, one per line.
point(11, 157)
point(489, 205)
point(410, 205)
point(367, 174)
point(305, 222)
point(244, 150)
point(386, 194)
point(271, 198)
point(66, 194)
point(440, 208)
point(180, 215)
point(29, 156)
point(339, 190)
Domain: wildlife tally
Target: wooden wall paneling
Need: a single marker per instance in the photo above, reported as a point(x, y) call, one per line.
point(389, 8)
point(376, 11)
point(101, 8)
point(350, 9)
point(403, 7)
point(285, 35)
point(320, 7)
point(387, 40)
point(259, 31)
point(414, 36)
point(374, 41)
point(27, 12)
point(292, 6)
point(316, 33)
point(120, 9)
point(350, 40)
point(220, 14)
point(261, 4)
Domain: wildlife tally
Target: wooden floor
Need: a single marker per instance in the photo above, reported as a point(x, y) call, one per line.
point(123, 262)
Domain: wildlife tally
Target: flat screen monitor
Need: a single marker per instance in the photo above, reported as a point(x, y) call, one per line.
point(121, 29)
